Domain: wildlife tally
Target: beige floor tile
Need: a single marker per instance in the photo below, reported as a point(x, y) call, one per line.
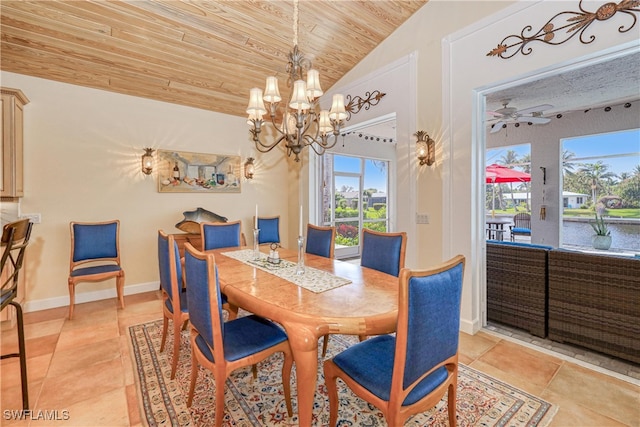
point(606, 395)
point(45, 315)
point(41, 329)
point(11, 397)
point(571, 414)
point(66, 390)
point(133, 405)
point(147, 307)
point(127, 360)
point(511, 378)
point(143, 297)
point(530, 365)
point(100, 410)
point(90, 334)
point(95, 318)
point(474, 346)
point(126, 321)
point(37, 368)
point(68, 361)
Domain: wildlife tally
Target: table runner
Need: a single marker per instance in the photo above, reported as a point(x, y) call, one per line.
point(313, 280)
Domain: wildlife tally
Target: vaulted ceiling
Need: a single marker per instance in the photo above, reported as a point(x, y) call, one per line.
point(204, 54)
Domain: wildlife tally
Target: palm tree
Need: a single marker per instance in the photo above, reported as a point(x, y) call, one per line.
point(597, 176)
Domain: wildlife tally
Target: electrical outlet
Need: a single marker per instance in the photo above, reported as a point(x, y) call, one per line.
point(34, 217)
point(422, 218)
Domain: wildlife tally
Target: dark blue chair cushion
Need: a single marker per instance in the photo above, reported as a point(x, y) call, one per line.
point(269, 230)
point(164, 265)
point(434, 321)
point(98, 269)
point(245, 336)
point(221, 236)
point(319, 242)
point(370, 363)
point(199, 296)
point(521, 230)
point(95, 241)
point(183, 303)
point(381, 253)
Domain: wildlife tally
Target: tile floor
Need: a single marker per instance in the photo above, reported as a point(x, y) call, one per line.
point(84, 367)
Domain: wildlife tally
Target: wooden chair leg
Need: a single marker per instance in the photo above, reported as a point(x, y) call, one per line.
point(72, 298)
point(176, 347)
point(194, 377)
point(451, 403)
point(220, 380)
point(325, 343)
point(120, 289)
point(165, 327)
point(286, 381)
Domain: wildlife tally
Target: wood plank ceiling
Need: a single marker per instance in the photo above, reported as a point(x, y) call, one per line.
point(203, 54)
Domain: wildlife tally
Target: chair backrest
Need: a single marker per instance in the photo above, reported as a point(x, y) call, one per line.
point(522, 220)
point(320, 240)
point(170, 267)
point(383, 251)
point(269, 229)
point(428, 321)
point(221, 234)
point(95, 241)
point(204, 298)
point(15, 238)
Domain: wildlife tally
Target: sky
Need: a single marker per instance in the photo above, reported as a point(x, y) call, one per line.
point(374, 176)
point(591, 149)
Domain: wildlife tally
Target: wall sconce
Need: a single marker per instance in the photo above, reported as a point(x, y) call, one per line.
point(249, 168)
point(147, 161)
point(425, 148)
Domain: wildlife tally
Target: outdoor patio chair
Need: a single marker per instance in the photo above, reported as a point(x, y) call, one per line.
point(521, 226)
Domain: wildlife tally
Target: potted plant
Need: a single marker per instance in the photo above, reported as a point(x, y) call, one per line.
point(602, 238)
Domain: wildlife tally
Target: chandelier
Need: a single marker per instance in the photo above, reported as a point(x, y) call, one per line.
point(301, 124)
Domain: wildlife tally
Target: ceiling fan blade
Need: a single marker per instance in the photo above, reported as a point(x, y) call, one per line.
point(536, 120)
point(536, 109)
point(496, 127)
point(494, 113)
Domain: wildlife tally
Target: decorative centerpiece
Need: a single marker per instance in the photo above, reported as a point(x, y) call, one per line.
point(602, 238)
point(274, 256)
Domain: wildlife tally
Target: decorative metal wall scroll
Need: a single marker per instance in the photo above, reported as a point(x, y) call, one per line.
point(565, 25)
point(357, 103)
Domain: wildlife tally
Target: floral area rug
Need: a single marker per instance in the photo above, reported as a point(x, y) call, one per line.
point(482, 401)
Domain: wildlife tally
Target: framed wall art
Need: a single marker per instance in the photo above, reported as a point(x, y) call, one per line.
point(185, 172)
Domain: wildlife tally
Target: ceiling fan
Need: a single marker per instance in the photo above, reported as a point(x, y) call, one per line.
point(508, 114)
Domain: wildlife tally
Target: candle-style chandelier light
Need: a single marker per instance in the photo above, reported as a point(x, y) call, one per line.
point(302, 124)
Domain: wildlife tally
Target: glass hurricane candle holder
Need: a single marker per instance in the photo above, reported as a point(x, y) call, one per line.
point(256, 246)
point(300, 266)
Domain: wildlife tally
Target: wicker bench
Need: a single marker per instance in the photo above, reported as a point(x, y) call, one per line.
point(594, 302)
point(517, 285)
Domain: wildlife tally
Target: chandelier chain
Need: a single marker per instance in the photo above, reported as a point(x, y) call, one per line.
point(295, 22)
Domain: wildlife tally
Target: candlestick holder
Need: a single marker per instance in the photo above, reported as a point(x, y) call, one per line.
point(300, 266)
point(256, 246)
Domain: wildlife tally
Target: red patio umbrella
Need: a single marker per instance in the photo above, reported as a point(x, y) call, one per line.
point(499, 174)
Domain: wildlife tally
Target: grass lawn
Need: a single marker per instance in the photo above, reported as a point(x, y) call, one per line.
point(582, 213)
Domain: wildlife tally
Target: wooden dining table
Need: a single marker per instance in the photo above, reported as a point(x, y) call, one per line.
point(368, 305)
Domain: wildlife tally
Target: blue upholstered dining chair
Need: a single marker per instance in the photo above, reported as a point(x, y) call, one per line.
point(320, 240)
point(96, 244)
point(174, 305)
point(269, 229)
point(417, 366)
point(223, 347)
point(15, 238)
point(383, 251)
point(221, 234)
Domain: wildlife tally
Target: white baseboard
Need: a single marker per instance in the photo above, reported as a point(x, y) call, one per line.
point(55, 302)
point(469, 327)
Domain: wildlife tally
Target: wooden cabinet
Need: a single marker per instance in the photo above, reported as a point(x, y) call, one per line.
point(11, 177)
point(182, 238)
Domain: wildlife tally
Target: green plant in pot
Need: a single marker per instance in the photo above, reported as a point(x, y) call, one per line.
point(602, 238)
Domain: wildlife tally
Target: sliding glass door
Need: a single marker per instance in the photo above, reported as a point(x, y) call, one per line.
point(355, 194)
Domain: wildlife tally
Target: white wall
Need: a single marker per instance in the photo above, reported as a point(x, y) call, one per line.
point(82, 162)
point(464, 141)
